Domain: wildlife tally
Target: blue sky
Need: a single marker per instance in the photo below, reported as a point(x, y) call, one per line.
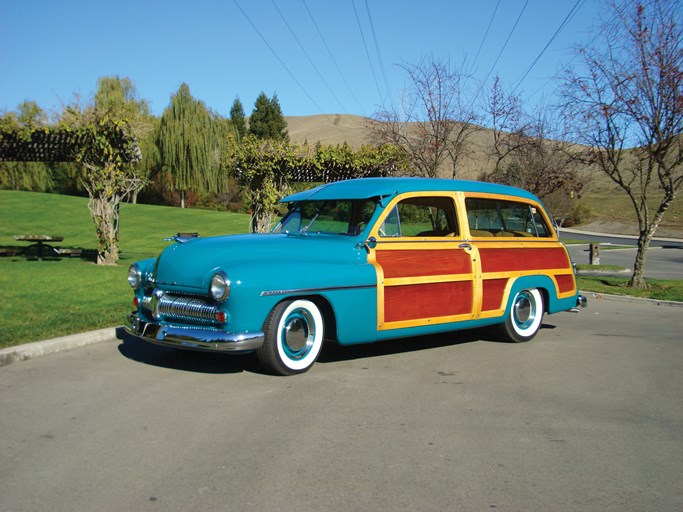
point(51, 50)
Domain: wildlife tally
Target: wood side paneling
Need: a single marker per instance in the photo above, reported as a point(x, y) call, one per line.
point(511, 260)
point(432, 300)
point(566, 283)
point(419, 263)
point(493, 294)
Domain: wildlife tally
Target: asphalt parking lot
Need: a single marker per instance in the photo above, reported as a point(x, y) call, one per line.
point(588, 416)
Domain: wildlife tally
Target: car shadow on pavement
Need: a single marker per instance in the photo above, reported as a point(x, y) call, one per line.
point(185, 360)
point(333, 352)
point(204, 362)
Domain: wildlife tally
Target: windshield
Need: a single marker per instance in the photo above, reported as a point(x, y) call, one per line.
point(340, 217)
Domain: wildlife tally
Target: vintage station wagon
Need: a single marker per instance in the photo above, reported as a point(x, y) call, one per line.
point(359, 261)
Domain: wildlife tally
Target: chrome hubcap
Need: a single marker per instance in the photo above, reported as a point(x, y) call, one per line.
point(298, 334)
point(524, 311)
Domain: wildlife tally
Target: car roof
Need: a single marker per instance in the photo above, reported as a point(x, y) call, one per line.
point(363, 188)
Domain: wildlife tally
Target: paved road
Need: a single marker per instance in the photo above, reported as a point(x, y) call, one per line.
point(664, 257)
point(661, 263)
point(576, 234)
point(587, 417)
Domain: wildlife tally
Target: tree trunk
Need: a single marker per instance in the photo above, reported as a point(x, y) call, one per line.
point(260, 219)
point(644, 238)
point(638, 279)
point(105, 214)
point(182, 199)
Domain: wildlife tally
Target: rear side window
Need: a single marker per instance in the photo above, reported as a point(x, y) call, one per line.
point(494, 217)
point(421, 217)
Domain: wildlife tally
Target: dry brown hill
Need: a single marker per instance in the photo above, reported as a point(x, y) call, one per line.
point(352, 129)
point(609, 206)
point(328, 129)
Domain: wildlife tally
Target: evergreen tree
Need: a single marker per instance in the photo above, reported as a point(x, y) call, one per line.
point(267, 121)
point(189, 144)
point(238, 119)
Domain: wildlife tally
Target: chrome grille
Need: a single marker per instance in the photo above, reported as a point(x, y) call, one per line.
point(189, 309)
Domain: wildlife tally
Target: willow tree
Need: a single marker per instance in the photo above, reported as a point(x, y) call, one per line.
point(189, 142)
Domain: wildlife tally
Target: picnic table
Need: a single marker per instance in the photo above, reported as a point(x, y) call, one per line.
point(40, 243)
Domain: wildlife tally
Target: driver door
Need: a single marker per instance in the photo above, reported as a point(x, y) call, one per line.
point(426, 273)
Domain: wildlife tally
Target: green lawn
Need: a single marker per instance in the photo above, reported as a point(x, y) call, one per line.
point(45, 299)
point(657, 289)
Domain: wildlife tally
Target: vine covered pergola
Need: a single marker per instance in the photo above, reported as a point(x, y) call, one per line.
point(54, 145)
point(105, 147)
point(264, 168)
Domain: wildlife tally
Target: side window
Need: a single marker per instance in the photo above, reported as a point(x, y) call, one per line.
point(422, 217)
point(539, 224)
point(493, 217)
point(391, 226)
point(483, 216)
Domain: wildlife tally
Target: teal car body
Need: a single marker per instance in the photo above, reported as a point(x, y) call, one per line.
point(330, 270)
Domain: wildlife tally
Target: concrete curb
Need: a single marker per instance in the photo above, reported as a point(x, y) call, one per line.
point(40, 348)
point(625, 298)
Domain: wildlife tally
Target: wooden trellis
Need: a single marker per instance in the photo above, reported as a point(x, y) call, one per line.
point(53, 145)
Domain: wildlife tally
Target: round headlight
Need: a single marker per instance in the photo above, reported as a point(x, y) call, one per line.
point(134, 276)
point(220, 286)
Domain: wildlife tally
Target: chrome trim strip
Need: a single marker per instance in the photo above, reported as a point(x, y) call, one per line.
point(316, 290)
point(193, 338)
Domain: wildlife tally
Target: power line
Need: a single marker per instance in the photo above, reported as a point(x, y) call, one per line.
point(367, 53)
point(559, 29)
point(590, 42)
point(329, 52)
point(507, 40)
point(379, 54)
point(481, 86)
point(486, 33)
point(309, 57)
point(284, 65)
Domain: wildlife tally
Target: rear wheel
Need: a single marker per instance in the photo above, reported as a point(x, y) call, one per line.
point(293, 337)
point(525, 316)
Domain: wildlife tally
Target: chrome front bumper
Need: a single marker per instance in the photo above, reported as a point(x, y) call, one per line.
point(193, 338)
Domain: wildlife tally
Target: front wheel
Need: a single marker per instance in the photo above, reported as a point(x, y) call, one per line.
point(525, 316)
point(293, 337)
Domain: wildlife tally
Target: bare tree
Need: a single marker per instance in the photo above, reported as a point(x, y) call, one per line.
point(435, 121)
point(508, 124)
point(626, 100)
point(532, 153)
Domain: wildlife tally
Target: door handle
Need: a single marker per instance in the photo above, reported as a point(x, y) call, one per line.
point(465, 246)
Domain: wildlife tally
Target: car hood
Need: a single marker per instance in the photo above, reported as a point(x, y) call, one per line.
point(193, 263)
